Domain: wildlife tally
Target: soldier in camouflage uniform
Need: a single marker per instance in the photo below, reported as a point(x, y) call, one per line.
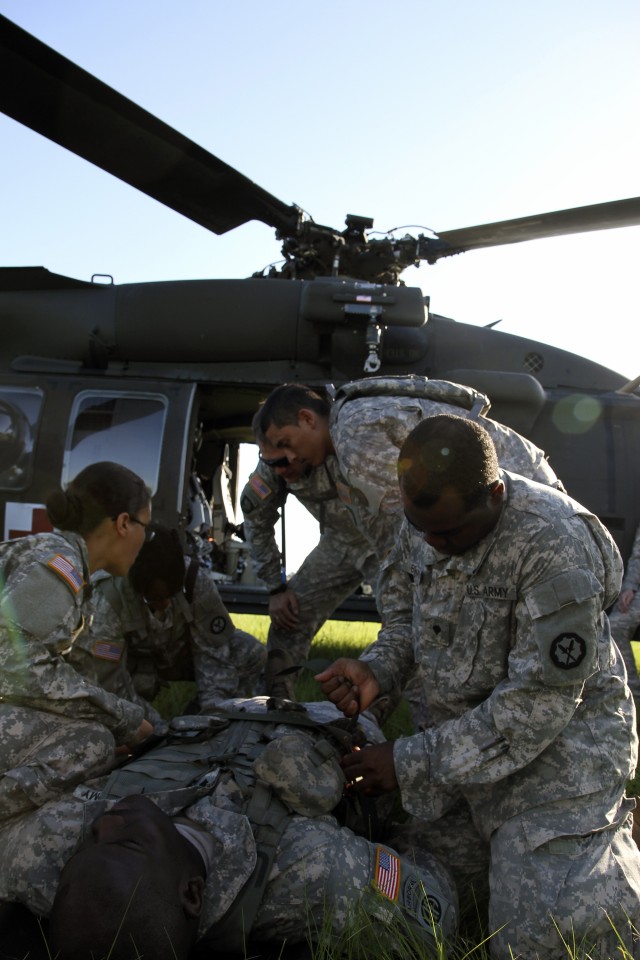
point(166, 621)
point(358, 437)
point(100, 653)
point(364, 429)
point(55, 726)
point(336, 566)
point(242, 830)
point(625, 617)
point(498, 588)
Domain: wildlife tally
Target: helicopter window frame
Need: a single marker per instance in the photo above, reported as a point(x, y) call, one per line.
point(22, 406)
point(143, 448)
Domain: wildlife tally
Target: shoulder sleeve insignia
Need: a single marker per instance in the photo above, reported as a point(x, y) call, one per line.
point(387, 878)
point(567, 651)
point(66, 570)
point(105, 650)
point(259, 485)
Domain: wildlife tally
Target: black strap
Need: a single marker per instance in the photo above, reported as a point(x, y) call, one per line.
point(268, 816)
point(190, 579)
point(342, 731)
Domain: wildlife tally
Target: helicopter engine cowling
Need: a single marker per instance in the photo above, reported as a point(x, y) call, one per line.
point(203, 320)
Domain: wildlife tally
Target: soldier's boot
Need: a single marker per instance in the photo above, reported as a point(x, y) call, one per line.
point(277, 683)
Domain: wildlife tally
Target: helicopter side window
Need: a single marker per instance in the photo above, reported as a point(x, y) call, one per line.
point(19, 415)
point(124, 427)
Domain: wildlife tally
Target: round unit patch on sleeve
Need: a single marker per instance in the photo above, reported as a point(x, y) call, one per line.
point(566, 614)
point(218, 624)
point(425, 906)
point(567, 651)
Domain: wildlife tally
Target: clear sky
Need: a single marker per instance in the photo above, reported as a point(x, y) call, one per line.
point(440, 114)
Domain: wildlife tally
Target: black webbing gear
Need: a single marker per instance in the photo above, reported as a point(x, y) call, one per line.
point(268, 816)
point(190, 579)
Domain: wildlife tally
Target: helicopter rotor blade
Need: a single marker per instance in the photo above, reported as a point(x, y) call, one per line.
point(597, 216)
point(53, 96)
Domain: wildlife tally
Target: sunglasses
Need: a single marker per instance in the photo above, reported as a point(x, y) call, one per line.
point(277, 462)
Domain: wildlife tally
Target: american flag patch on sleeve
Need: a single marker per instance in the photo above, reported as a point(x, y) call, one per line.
point(261, 488)
point(108, 651)
point(65, 569)
point(387, 878)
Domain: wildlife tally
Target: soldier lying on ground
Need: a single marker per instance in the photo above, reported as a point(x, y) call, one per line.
point(166, 621)
point(233, 844)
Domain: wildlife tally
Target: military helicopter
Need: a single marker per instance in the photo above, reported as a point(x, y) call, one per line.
point(166, 376)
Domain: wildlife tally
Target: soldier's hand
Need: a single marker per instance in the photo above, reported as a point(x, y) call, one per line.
point(283, 610)
point(371, 770)
point(624, 601)
point(350, 684)
point(144, 730)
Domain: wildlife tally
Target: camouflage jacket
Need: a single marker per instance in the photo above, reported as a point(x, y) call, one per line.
point(100, 653)
point(370, 420)
point(125, 638)
point(631, 579)
point(44, 608)
point(521, 678)
point(261, 501)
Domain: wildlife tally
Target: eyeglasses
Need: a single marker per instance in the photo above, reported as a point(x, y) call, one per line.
point(149, 534)
point(277, 462)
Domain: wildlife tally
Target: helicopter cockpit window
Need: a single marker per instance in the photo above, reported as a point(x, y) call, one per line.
point(124, 427)
point(19, 415)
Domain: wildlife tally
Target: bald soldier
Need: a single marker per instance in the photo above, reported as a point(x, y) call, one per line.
point(497, 587)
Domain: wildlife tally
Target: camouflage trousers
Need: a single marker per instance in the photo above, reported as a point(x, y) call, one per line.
point(327, 576)
point(43, 755)
point(623, 627)
point(363, 892)
point(583, 890)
